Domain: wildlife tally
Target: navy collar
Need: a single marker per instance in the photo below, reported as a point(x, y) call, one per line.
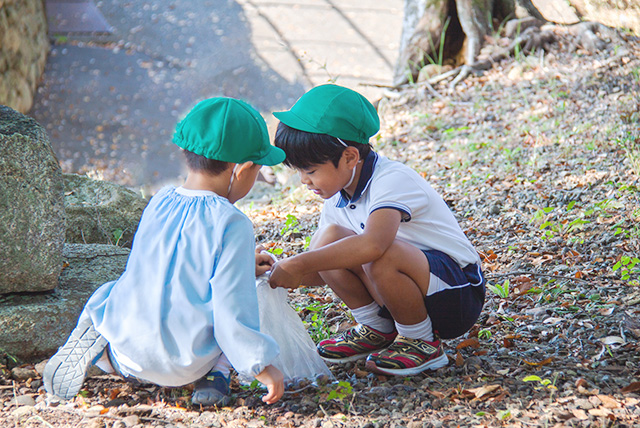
point(363, 181)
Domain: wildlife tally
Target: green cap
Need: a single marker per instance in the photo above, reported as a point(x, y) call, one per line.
point(333, 110)
point(227, 130)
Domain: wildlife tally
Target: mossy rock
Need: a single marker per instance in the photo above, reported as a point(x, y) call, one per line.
point(100, 212)
point(32, 226)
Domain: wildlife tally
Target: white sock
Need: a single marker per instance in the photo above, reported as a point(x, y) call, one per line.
point(368, 315)
point(223, 366)
point(104, 364)
point(423, 330)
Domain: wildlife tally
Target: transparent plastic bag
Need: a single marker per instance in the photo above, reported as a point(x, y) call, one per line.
point(298, 357)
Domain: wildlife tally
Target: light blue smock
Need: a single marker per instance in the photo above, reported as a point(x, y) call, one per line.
point(188, 293)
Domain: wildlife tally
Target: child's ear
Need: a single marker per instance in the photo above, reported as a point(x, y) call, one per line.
point(244, 167)
point(351, 155)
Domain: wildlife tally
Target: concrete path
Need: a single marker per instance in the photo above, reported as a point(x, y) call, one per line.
point(110, 100)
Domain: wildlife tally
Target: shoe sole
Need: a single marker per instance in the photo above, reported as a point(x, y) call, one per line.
point(434, 364)
point(65, 371)
point(209, 398)
point(347, 359)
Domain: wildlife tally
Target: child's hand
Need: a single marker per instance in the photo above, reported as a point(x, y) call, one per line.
point(264, 260)
point(272, 378)
point(284, 275)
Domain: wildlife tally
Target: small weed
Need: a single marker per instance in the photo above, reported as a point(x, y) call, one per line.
point(290, 226)
point(631, 145)
point(276, 251)
point(317, 325)
point(252, 387)
point(503, 415)
point(627, 267)
point(341, 391)
point(484, 334)
point(500, 290)
point(117, 235)
point(543, 383)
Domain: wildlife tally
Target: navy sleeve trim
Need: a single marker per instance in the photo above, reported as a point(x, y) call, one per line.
point(406, 214)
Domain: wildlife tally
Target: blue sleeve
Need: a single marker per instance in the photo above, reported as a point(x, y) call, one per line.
point(236, 318)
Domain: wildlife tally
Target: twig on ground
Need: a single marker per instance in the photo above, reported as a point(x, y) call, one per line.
point(38, 418)
point(524, 272)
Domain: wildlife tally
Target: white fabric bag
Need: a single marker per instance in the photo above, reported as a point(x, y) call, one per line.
point(298, 357)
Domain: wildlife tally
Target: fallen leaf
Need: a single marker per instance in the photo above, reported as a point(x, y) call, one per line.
point(360, 373)
point(581, 382)
point(483, 390)
point(612, 340)
point(436, 394)
point(609, 402)
point(540, 363)
point(459, 360)
point(600, 412)
point(472, 342)
point(580, 414)
point(632, 387)
point(606, 311)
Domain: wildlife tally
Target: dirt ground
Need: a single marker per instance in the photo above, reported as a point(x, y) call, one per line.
point(539, 158)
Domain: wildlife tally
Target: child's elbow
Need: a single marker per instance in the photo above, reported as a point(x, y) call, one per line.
point(376, 250)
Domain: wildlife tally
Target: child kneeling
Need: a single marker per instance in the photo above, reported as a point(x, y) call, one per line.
point(387, 243)
point(185, 309)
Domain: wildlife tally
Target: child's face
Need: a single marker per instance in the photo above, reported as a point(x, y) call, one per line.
point(325, 179)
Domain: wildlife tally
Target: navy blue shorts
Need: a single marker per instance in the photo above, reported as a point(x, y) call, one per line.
point(455, 297)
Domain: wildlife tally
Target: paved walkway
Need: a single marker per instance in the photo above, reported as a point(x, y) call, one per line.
point(110, 100)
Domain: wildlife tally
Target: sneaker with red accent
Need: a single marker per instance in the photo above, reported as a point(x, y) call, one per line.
point(353, 344)
point(408, 357)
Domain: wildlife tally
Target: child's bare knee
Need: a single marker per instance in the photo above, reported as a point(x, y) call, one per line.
point(329, 234)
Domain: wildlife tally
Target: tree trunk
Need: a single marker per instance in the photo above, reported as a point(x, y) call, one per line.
point(435, 31)
point(453, 31)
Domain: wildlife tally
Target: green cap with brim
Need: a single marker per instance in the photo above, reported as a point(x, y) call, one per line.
point(333, 110)
point(227, 130)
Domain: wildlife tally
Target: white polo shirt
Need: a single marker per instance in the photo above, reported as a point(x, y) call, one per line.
point(427, 221)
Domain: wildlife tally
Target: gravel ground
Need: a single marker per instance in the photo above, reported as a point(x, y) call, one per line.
point(539, 158)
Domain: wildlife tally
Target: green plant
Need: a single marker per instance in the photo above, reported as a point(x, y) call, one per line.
point(317, 325)
point(631, 145)
point(627, 266)
point(307, 242)
point(500, 290)
point(254, 386)
point(117, 235)
point(438, 58)
point(484, 334)
point(341, 390)
point(543, 383)
point(276, 251)
point(503, 415)
point(290, 226)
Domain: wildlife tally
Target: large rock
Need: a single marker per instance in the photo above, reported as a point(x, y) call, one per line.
point(100, 212)
point(35, 325)
point(23, 51)
point(31, 206)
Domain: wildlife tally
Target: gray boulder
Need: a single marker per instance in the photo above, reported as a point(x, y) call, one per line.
point(32, 227)
point(100, 212)
point(35, 325)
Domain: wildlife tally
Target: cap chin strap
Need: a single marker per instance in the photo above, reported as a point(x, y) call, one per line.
point(233, 174)
point(353, 171)
point(353, 175)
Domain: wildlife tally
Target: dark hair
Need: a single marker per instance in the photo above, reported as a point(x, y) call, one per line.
point(305, 149)
point(201, 164)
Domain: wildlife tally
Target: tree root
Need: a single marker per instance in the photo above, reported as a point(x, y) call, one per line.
point(531, 35)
